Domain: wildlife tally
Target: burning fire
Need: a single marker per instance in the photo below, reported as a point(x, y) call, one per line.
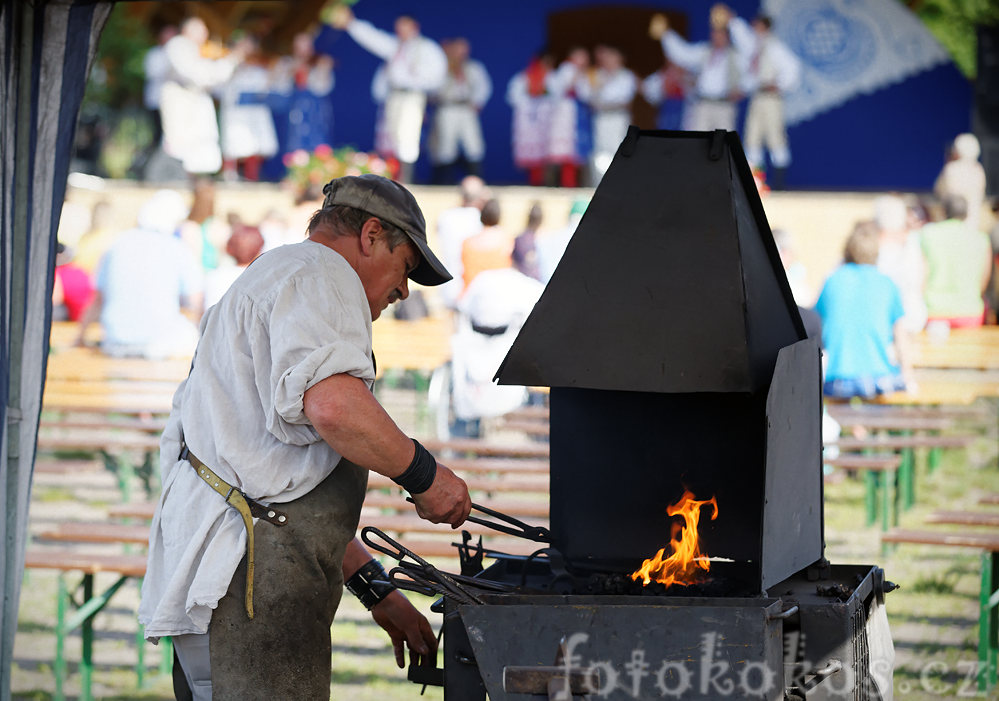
point(686, 564)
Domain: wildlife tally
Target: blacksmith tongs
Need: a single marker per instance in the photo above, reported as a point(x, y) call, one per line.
point(516, 528)
point(426, 573)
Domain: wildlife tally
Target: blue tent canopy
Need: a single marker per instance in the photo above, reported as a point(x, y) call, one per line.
point(46, 48)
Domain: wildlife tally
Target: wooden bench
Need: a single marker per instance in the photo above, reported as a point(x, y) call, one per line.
point(89, 565)
point(65, 466)
point(880, 475)
point(103, 422)
point(965, 518)
point(988, 619)
point(422, 345)
point(906, 445)
point(480, 448)
point(114, 447)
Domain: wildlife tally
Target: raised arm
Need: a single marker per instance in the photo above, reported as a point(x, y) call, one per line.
point(682, 52)
point(381, 43)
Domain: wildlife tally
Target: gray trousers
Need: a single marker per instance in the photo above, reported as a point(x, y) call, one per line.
point(285, 651)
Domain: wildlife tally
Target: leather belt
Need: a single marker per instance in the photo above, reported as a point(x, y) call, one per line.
point(247, 508)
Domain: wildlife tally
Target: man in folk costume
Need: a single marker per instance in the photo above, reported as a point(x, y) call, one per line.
point(773, 71)
point(718, 71)
point(414, 68)
point(529, 93)
point(190, 125)
point(609, 93)
point(266, 455)
point(457, 128)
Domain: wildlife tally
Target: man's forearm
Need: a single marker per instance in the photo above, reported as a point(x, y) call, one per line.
point(355, 556)
point(350, 419)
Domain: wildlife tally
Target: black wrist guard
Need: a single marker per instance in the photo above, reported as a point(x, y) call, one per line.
point(370, 584)
point(421, 472)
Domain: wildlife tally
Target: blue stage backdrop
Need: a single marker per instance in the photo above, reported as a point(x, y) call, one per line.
point(879, 103)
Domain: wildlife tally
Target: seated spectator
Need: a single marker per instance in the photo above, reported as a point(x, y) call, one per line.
point(98, 238)
point(797, 274)
point(900, 257)
point(552, 245)
point(454, 225)
point(202, 231)
point(490, 249)
point(525, 252)
point(963, 175)
point(72, 290)
point(142, 283)
point(244, 245)
point(862, 331)
point(958, 264)
point(491, 313)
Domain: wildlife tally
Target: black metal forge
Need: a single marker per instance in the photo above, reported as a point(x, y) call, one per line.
point(677, 361)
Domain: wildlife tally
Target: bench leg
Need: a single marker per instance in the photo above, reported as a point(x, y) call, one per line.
point(140, 654)
point(888, 512)
point(87, 634)
point(907, 478)
point(933, 458)
point(988, 622)
point(870, 496)
point(62, 600)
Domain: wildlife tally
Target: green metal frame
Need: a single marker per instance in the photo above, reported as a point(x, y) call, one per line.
point(988, 622)
point(83, 618)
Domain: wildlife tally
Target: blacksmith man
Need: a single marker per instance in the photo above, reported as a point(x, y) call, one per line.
point(277, 423)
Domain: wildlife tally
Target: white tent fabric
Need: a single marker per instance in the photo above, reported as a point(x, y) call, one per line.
point(46, 49)
point(850, 48)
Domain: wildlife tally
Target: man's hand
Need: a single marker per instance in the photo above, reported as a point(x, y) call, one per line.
point(658, 26)
point(340, 16)
point(447, 500)
point(406, 627)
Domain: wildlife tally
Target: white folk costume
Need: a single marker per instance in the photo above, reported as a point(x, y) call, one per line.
point(190, 129)
point(609, 95)
point(246, 120)
point(457, 128)
point(413, 69)
point(773, 71)
point(719, 75)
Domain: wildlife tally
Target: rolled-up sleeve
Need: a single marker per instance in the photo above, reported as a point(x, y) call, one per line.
point(317, 330)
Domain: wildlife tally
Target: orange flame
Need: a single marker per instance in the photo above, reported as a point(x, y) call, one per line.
point(686, 565)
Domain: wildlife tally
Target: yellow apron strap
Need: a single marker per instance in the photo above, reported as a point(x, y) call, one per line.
point(234, 498)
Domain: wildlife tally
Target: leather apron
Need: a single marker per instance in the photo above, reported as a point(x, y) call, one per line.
point(285, 650)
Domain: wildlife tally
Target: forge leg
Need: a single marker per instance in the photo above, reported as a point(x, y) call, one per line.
point(462, 681)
